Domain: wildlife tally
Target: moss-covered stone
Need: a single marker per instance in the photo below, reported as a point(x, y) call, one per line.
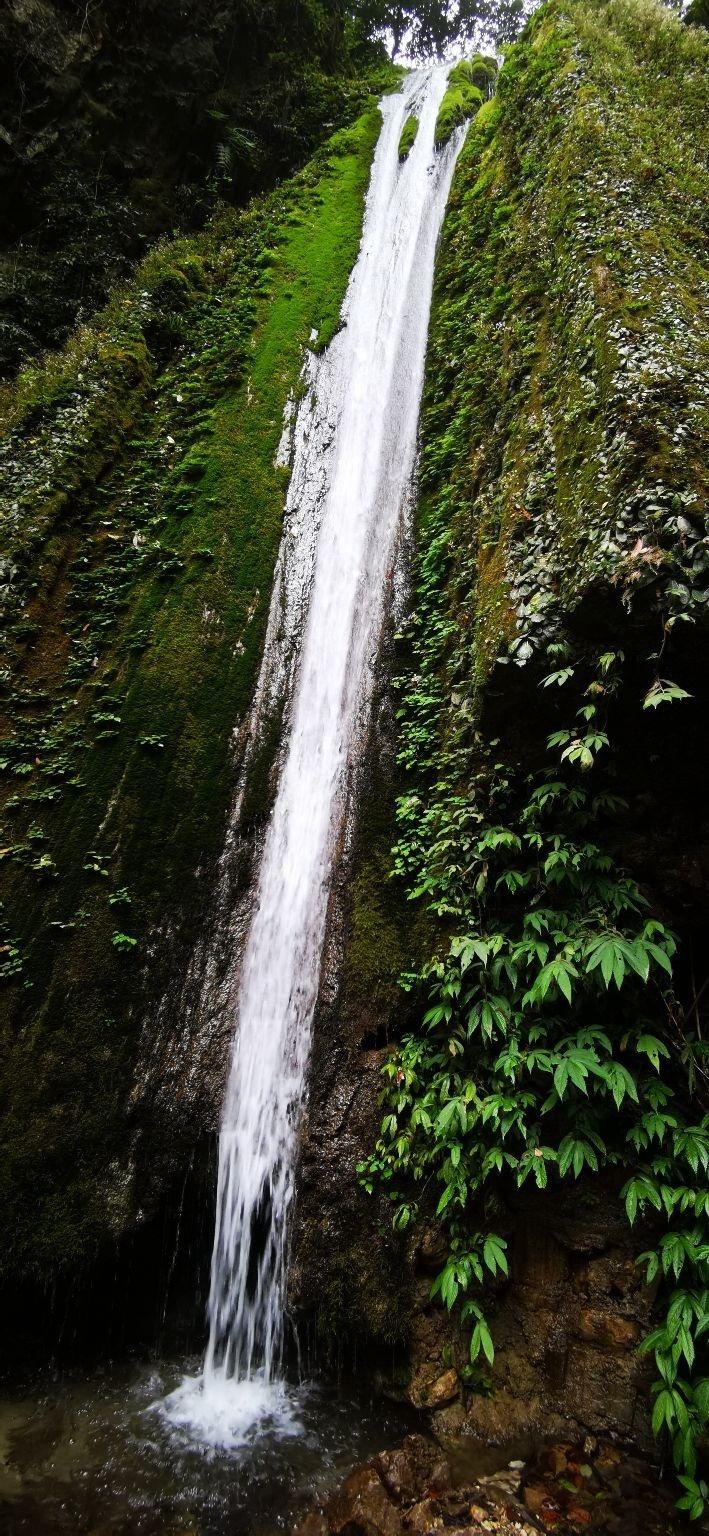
point(408, 137)
point(561, 532)
point(463, 97)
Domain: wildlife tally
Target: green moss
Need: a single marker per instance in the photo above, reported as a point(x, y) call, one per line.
point(481, 70)
point(461, 101)
point(363, 1299)
point(379, 937)
point(567, 280)
point(145, 509)
point(408, 137)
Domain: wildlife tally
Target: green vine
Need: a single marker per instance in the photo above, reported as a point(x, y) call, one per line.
point(562, 514)
point(543, 1050)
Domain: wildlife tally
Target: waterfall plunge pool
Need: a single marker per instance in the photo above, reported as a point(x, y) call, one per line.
point(122, 1450)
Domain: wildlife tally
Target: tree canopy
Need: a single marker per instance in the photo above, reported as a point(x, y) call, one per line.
point(430, 26)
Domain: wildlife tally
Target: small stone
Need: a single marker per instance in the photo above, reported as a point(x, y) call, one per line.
point(362, 1506)
point(314, 1524)
point(443, 1390)
point(534, 1495)
point(577, 1515)
point(413, 1469)
point(422, 1518)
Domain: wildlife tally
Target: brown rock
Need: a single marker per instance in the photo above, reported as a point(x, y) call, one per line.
point(505, 1417)
point(578, 1515)
point(413, 1469)
point(432, 1250)
point(537, 1499)
point(441, 1391)
point(362, 1506)
point(448, 1423)
point(607, 1329)
point(602, 1386)
point(534, 1495)
point(422, 1518)
point(314, 1524)
point(558, 1457)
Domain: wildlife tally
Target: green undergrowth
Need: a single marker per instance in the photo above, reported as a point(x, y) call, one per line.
point(144, 509)
point(548, 676)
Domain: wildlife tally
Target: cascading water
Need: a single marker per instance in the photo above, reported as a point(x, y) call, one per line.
point(354, 449)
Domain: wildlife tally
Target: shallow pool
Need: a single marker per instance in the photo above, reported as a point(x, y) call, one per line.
point(102, 1453)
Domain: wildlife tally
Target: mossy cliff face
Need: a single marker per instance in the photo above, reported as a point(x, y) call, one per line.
point(566, 399)
point(562, 518)
point(142, 512)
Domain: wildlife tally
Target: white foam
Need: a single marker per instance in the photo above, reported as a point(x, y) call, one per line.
point(225, 1414)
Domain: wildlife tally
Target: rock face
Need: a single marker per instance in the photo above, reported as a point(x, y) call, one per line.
point(567, 1326)
point(564, 497)
point(350, 1280)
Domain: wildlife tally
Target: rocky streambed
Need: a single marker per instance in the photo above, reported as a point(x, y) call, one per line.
point(422, 1487)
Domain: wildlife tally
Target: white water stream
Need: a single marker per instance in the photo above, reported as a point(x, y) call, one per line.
point(354, 447)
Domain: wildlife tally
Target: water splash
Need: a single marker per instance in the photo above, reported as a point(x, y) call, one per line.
point(354, 447)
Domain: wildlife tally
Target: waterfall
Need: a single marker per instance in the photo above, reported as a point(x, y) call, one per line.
point(353, 457)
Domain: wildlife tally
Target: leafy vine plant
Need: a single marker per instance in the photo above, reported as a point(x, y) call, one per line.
point(543, 1051)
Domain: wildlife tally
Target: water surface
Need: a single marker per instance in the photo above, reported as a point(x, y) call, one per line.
point(95, 1454)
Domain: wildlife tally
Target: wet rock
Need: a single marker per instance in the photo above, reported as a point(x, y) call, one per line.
point(558, 1458)
point(412, 1469)
point(537, 1499)
point(432, 1250)
point(362, 1507)
point(416, 1489)
point(422, 1518)
point(448, 1423)
point(314, 1524)
point(437, 1393)
point(478, 1515)
point(607, 1329)
point(578, 1514)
